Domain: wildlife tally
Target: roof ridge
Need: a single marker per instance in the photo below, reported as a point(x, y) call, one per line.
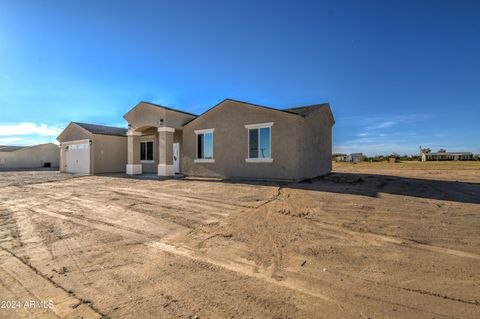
point(102, 129)
point(312, 105)
point(99, 125)
point(168, 108)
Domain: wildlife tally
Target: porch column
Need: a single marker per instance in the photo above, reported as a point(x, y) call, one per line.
point(165, 151)
point(134, 166)
point(62, 158)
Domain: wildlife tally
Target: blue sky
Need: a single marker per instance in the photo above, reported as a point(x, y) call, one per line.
point(398, 74)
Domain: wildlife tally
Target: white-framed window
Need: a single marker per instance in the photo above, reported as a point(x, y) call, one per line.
point(259, 143)
point(79, 146)
point(146, 151)
point(204, 146)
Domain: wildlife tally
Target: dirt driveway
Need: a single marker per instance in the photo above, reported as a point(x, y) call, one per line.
point(364, 242)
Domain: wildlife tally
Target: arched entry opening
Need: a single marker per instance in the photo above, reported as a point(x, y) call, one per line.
point(152, 150)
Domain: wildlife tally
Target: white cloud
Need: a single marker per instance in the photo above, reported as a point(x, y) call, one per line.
point(381, 125)
point(28, 133)
point(9, 140)
point(28, 128)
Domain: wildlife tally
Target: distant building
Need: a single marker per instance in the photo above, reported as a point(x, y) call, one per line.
point(355, 157)
point(443, 155)
point(340, 157)
point(28, 157)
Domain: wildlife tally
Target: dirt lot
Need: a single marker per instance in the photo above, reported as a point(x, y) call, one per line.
point(369, 241)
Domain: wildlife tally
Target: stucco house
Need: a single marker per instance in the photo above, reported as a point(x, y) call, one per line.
point(233, 139)
point(443, 155)
point(92, 149)
point(29, 157)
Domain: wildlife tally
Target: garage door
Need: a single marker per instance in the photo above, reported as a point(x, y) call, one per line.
point(77, 158)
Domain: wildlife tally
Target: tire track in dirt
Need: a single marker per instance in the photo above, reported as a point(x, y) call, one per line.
point(66, 303)
point(28, 236)
point(435, 294)
point(245, 268)
point(208, 203)
point(340, 231)
point(293, 280)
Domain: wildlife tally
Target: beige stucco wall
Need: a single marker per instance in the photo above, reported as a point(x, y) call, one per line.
point(109, 153)
point(315, 145)
point(230, 143)
point(73, 132)
point(31, 157)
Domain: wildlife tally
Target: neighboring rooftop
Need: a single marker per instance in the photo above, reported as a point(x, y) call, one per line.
point(102, 129)
point(8, 148)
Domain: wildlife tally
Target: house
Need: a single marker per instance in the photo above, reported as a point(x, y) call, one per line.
point(233, 139)
point(92, 149)
point(443, 155)
point(355, 157)
point(340, 157)
point(29, 157)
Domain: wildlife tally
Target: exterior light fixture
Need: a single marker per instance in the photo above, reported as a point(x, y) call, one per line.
point(161, 122)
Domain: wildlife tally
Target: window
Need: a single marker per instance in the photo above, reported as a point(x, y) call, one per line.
point(259, 140)
point(204, 146)
point(73, 147)
point(146, 151)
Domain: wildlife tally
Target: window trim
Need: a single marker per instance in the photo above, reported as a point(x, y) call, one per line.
point(153, 155)
point(203, 132)
point(259, 125)
point(253, 127)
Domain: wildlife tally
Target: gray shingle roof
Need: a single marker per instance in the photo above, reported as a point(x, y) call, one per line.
point(102, 129)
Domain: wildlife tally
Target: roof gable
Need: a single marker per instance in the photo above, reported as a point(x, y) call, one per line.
point(146, 114)
point(306, 111)
point(302, 111)
point(225, 101)
point(143, 103)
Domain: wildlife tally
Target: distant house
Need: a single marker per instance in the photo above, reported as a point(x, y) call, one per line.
point(28, 157)
point(340, 157)
point(355, 157)
point(443, 155)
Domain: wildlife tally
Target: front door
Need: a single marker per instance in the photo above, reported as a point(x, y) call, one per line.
point(176, 158)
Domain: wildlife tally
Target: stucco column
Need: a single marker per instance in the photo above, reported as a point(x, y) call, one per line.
point(133, 158)
point(165, 149)
point(62, 158)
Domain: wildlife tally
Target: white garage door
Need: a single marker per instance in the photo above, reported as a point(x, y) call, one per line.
point(77, 158)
